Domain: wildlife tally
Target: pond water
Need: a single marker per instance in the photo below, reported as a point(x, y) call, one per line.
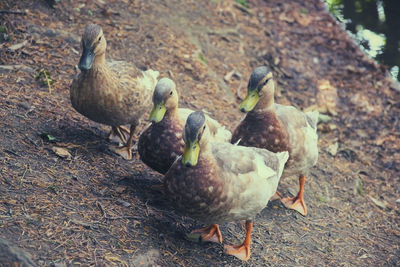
point(375, 25)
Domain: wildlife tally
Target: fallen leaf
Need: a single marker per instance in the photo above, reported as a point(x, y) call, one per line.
point(48, 137)
point(324, 118)
point(379, 203)
point(327, 97)
point(123, 203)
point(18, 46)
point(302, 19)
point(120, 189)
point(61, 152)
point(333, 148)
point(283, 17)
point(327, 127)
point(363, 102)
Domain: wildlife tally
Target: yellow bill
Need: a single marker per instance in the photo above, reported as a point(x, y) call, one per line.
point(157, 113)
point(191, 153)
point(250, 101)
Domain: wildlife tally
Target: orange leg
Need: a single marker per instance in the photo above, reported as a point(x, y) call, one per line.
point(241, 251)
point(126, 150)
point(276, 196)
point(118, 134)
point(297, 203)
point(207, 234)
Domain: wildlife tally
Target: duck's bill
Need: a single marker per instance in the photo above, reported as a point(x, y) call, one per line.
point(157, 113)
point(191, 154)
point(250, 101)
point(86, 61)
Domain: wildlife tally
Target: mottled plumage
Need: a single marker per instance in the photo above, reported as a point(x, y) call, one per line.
point(162, 142)
point(278, 128)
point(112, 93)
point(228, 183)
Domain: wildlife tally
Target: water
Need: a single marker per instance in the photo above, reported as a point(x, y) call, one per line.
point(375, 25)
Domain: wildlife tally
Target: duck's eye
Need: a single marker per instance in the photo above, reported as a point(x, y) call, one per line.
point(204, 127)
point(99, 38)
point(170, 93)
point(160, 107)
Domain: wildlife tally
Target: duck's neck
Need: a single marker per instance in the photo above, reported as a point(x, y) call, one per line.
point(172, 113)
point(99, 61)
point(266, 106)
point(266, 101)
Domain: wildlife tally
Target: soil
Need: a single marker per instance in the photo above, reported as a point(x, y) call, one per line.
point(87, 206)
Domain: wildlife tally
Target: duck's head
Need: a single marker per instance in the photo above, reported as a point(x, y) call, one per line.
point(260, 90)
point(93, 44)
point(165, 98)
point(195, 135)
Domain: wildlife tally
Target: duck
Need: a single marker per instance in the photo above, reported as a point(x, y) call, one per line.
point(217, 182)
point(113, 93)
point(162, 142)
point(278, 128)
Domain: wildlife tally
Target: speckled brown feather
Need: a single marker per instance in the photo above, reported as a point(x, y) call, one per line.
point(161, 143)
point(104, 97)
point(262, 130)
point(188, 189)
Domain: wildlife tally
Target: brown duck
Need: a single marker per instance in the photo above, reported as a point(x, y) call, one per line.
point(217, 182)
point(114, 93)
point(278, 128)
point(162, 142)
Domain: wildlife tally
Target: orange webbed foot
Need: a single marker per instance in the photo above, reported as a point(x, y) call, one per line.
point(207, 234)
point(241, 252)
point(295, 203)
point(118, 134)
point(124, 151)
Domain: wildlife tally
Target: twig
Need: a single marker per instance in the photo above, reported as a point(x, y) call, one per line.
point(101, 209)
point(47, 80)
point(11, 152)
point(238, 90)
point(103, 212)
point(12, 12)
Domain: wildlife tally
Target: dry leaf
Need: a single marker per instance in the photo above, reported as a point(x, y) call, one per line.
point(333, 148)
point(61, 152)
point(283, 17)
point(379, 203)
point(120, 189)
point(364, 103)
point(302, 19)
point(327, 97)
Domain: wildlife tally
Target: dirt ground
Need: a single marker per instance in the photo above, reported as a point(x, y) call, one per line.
point(94, 208)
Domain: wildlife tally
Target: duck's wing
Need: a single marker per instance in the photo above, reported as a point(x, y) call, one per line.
point(312, 119)
point(184, 113)
point(251, 176)
point(302, 130)
point(249, 164)
point(131, 76)
point(218, 132)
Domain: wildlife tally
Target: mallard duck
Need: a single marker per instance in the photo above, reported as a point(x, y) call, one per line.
point(217, 182)
point(162, 142)
point(112, 93)
point(279, 128)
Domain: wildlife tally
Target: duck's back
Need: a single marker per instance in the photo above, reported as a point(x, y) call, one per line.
point(235, 184)
point(161, 143)
point(114, 93)
point(302, 132)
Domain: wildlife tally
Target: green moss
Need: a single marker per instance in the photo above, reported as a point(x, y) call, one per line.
point(243, 3)
point(201, 57)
